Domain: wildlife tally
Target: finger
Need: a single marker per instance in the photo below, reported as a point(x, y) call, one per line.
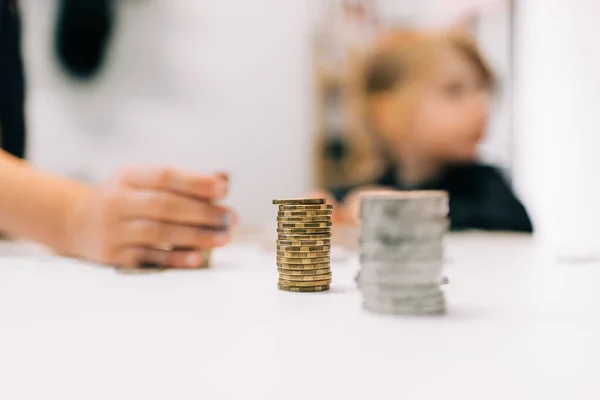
point(133, 257)
point(174, 208)
point(224, 175)
point(157, 234)
point(233, 220)
point(212, 187)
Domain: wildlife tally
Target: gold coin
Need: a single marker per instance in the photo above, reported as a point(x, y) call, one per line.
point(302, 267)
point(303, 225)
point(289, 260)
point(305, 219)
point(303, 213)
point(305, 278)
point(312, 254)
point(293, 272)
point(299, 201)
point(324, 282)
point(303, 289)
point(305, 207)
point(303, 231)
point(323, 242)
point(304, 248)
point(299, 237)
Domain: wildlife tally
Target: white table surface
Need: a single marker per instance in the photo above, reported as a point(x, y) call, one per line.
point(520, 326)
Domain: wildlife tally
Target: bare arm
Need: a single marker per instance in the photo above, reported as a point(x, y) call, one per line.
point(128, 220)
point(36, 205)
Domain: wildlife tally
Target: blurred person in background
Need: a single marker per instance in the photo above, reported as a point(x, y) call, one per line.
point(12, 82)
point(82, 36)
point(155, 215)
point(425, 101)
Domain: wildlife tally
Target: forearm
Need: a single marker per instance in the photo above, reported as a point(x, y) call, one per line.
point(36, 205)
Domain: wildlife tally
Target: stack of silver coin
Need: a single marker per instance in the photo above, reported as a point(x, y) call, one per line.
point(402, 253)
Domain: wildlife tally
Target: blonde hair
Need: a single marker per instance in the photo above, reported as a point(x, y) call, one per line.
point(397, 60)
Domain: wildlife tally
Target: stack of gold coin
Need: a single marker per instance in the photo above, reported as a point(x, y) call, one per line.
point(303, 245)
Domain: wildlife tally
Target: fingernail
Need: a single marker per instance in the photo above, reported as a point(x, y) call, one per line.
point(226, 221)
point(224, 175)
point(193, 260)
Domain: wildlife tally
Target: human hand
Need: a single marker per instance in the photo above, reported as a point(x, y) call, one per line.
point(352, 202)
point(154, 215)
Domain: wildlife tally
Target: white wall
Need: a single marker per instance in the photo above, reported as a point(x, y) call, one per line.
point(495, 39)
point(205, 84)
point(557, 164)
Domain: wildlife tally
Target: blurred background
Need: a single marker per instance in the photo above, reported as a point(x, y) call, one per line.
point(257, 88)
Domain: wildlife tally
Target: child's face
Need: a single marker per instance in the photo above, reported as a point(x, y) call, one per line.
point(449, 114)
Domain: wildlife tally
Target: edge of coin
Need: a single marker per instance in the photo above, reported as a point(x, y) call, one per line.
point(299, 201)
point(315, 289)
point(305, 207)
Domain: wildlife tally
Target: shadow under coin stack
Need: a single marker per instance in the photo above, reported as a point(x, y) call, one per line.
point(303, 245)
point(401, 252)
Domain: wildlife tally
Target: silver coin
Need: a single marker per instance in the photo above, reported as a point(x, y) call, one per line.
point(404, 287)
point(394, 280)
point(391, 295)
point(391, 268)
point(400, 276)
point(407, 223)
point(398, 310)
point(403, 268)
point(421, 278)
point(403, 281)
point(408, 220)
point(400, 288)
point(400, 251)
point(408, 306)
point(393, 259)
point(408, 303)
point(400, 205)
point(406, 196)
point(396, 233)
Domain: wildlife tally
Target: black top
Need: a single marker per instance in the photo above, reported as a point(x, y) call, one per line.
point(12, 81)
point(480, 198)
